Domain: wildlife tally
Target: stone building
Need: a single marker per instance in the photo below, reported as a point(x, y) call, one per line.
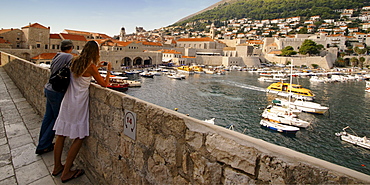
point(14, 37)
point(200, 43)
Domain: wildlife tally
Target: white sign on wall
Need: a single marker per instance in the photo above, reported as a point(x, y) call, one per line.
point(130, 124)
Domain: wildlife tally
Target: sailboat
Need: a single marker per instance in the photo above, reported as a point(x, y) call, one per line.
point(279, 127)
point(301, 104)
point(285, 118)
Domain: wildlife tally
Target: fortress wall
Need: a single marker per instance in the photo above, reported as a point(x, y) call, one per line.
point(172, 148)
point(325, 62)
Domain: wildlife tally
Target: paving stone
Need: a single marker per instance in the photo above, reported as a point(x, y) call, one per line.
point(44, 180)
point(24, 155)
point(23, 105)
point(9, 181)
point(31, 172)
point(3, 140)
point(4, 149)
point(15, 142)
point(6, 172)
point(14, 130)
point(5, 159)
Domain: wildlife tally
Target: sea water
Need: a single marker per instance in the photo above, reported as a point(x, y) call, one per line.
point(238, 98)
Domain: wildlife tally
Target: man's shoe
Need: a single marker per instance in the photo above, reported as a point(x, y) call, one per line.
point(46, 150)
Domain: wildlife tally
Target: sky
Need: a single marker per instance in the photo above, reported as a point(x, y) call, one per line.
point(104, 16)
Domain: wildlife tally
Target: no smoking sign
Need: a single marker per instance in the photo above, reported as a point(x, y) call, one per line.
point(130, 124)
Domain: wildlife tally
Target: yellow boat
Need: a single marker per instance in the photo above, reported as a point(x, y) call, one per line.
point(297, 91)
point(185, 69)
point(197, 69)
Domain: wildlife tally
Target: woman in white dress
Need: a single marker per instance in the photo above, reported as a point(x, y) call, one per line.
point(73, 119)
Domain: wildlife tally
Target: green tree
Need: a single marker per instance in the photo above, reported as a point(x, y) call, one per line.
point(310, 47)
point(340, 62)
point(354, 62)
point(288, 51)
point(360, 51)
point(361, 63)
point(315, 66)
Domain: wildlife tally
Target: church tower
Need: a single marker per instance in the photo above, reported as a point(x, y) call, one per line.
point(122, 34)
point(212, 31)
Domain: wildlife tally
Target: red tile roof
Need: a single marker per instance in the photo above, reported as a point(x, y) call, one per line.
point(55, 36)
point(36, 25)
point(122, 43)
point(44, 56)
point(4, 41)
point(7, 30)
point(104, 36)
point(203, 39)
point(170, 51)
point(73, 37)
point(47, 56)
point(149, 43)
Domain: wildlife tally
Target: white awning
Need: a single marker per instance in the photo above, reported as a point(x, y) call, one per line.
point(207, 53)
point(166, 59)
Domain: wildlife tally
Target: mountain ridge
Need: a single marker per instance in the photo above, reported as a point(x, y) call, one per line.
point(206, 9)
point(272, 9)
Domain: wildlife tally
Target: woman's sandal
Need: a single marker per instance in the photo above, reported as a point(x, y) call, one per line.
point(77, 173)
point(60, 171)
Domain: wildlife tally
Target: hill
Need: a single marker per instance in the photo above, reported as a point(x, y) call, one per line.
point(273, 9)
point(206, 9)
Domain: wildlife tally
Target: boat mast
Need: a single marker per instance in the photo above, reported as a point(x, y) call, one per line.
point(290, 82)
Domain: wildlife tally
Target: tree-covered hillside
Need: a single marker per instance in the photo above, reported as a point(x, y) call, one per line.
point(273, 9)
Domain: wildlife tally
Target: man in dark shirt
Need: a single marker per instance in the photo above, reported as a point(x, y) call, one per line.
point(53, 100)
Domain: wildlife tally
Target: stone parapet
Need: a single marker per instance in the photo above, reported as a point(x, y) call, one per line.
point(172, 148)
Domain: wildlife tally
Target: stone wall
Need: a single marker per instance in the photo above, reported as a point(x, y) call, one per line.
point(172, 148)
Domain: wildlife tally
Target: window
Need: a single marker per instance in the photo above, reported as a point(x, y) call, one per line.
point(18, 46)
point(57, 46)
point(46, 46)
point(78, 47)
point(18, 38)
point(38, 45)
point(53, 46)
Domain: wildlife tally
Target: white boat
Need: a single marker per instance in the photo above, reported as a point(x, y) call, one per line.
point(367, 81)
point(273, 77)
point(319, 79)
point(354, 139)
point(146, 74)
point(286, 119)
point(279, 127)
point(284, 110)
point(211, 121)
point(302, 105)
point(133, 83)
point(174, 76)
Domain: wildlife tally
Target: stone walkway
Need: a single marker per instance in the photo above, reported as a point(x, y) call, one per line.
point(19, 129)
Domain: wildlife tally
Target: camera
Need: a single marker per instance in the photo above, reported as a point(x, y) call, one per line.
point(105, 63)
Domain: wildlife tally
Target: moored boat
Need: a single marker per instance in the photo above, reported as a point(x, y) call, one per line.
point(287, 119)
point(146, 74)
point(185, 69)
point(354, 139)
point(293, 90)
point(279, 127)
point(304, 106)
point(367, 81)
point(174, 76)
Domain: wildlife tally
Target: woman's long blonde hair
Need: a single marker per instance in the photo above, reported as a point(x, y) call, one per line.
point(89, 54)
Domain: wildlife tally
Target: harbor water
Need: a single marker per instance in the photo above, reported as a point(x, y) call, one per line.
point(238, 98)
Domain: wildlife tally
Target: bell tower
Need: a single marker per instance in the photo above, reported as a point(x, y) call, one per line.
point(122, 34)
point(212, 31)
